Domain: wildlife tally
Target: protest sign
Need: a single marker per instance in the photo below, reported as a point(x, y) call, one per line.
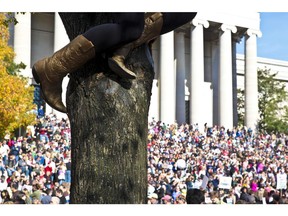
point(281, 181)
point(225, 182)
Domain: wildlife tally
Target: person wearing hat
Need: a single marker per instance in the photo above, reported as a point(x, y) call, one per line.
point(153, 198)
point(46, 199)
point(55, 200)
point(166, 199)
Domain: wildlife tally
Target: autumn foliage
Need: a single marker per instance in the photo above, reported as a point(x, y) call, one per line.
point(16, 96)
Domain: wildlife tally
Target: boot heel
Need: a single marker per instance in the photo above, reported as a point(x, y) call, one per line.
point(120, 71)
point(35, 75)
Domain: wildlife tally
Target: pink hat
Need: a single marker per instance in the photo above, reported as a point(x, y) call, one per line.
point(167, 198)
point(268, 189)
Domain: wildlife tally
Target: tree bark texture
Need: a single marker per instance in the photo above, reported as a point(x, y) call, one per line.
point(109, 118)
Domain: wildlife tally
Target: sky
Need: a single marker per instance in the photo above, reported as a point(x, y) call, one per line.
point(274, 41)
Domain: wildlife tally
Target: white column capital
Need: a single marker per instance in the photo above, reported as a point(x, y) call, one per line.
point(197, 22)
point(225, 27)
point(256, 32)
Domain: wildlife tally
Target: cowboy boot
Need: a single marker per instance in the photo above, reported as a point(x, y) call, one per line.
point(152, 28)
point(49, 72)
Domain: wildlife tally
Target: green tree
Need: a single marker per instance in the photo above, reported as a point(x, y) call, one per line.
point(272, 107)
point(16, 96)
point(240, 106)
point(272, 97)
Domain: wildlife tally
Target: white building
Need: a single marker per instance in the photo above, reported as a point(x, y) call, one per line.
point(197, 71)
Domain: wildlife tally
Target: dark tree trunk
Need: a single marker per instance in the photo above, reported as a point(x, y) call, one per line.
point(108, 123)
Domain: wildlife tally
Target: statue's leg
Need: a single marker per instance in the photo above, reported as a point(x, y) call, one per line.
point(49, 72)
point(152, 29)
point(128, 28)
point(156, 24)
point(173, 20)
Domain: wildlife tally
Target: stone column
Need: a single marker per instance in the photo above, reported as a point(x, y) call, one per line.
point(251, 80)
point(22, 42)
point(215, 81)
point(180, 76)
point(225, 76)
point(154, 110)
point(60, 40)
point(197, 71)
point(167, 79)
point(234, 81)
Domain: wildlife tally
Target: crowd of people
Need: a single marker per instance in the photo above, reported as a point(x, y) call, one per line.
point(221, 166)
point(36, 168)
point(185, 165)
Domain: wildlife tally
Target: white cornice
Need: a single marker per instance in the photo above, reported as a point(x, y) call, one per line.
point(266, 60)
point(240, 19)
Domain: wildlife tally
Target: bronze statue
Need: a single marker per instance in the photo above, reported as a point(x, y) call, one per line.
point(131, 31)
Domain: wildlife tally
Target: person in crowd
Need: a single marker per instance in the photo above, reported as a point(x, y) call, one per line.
point(11, 164)
point(47, 197)
point(4, 151)
point(61, 172)
point(166, 199)
point(55, 200)
point(41, 112)
point(181, 199)
point(2, 166)
point(67, 161)
point(153, 199)
point(37, 193)
point(5, 197)
point(59, 194)
point(27, 193)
